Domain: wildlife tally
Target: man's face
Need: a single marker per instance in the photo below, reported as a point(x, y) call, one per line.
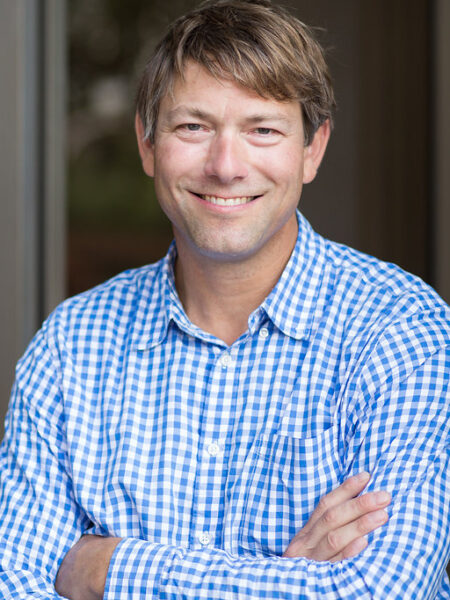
point(229, 167)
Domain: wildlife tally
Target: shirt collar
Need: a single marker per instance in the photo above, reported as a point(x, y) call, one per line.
point(158, 304)
point(295, 302)
point(291, 305)
point(151, 316)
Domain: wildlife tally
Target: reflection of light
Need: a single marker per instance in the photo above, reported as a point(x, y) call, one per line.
point(109, 97)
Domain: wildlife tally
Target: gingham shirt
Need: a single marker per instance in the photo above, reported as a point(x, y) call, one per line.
point(127, 420)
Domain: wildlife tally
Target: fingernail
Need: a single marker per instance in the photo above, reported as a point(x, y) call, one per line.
point(363, 476)
point(382, 497)
point(361, 544)
point(380, 516)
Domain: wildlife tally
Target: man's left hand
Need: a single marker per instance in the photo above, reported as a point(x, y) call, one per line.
point(82, 574)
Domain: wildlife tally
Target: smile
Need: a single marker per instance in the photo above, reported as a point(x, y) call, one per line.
point(238, 201)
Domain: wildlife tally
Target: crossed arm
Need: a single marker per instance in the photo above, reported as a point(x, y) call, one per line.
point(41, 520)
point(335, 531)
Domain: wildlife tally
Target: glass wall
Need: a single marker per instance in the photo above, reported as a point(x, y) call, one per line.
point(114, 221)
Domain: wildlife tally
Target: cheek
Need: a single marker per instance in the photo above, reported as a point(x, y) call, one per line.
point(294, 162)
point(293, 167)
point(177, 159)
point(165, 161)
point(285, 168)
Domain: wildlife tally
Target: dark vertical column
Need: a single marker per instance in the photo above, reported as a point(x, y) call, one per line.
point(330, 202)
point(440, 237)
point(394, 132)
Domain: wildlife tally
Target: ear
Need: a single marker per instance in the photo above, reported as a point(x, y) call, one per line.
point(146, 149)
point(314, 152)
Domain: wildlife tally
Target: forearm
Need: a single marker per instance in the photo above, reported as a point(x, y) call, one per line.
point(335, 531)
point(19, 580)
point(141, 570)
point(82, 574)
point(404, 558)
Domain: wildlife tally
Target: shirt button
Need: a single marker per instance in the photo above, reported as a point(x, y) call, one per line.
point(225, 360)
point(264, 332)
point(214, 449)
point(204, 538)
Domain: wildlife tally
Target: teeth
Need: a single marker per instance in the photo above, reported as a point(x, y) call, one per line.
point(227, 201)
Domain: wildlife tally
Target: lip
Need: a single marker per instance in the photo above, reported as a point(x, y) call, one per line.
point(224, 208)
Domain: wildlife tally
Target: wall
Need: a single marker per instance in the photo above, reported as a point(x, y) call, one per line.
point(31, 173)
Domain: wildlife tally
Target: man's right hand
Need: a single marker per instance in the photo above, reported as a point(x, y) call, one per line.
point(337, 527)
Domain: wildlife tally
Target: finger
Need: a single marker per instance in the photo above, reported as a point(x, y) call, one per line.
point(349, 511)
point(349, 489)
point(352, 550)
point(340, 526)
point(337, 540)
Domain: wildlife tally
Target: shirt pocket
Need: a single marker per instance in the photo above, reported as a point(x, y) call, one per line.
point(288, 477)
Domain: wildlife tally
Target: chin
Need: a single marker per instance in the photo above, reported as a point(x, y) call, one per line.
point(230, 253)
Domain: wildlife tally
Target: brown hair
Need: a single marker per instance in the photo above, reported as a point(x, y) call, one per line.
point(253, 42)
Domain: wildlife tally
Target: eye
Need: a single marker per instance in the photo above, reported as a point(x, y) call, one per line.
point(265, 136)
point(264, 130)
point(193, 132)
point(191, 127)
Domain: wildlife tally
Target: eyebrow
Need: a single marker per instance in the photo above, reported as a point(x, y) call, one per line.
point(201, 114)
point(258, 118)
point(190, 112)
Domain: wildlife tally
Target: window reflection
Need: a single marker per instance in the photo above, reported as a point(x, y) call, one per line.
point(114, 221)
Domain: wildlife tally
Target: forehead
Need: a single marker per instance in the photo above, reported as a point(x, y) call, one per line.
point(200, 90)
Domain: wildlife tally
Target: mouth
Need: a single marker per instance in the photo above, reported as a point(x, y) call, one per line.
point(220, 201)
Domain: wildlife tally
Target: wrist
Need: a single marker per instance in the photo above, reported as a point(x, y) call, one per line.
point(84, 570)
point(98, 557)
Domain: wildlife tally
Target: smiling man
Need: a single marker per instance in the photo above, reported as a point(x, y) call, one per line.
point(261, 414)
point(229, 166)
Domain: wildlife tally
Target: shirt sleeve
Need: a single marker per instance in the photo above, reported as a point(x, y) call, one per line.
point(39, 517)
point(399, 431)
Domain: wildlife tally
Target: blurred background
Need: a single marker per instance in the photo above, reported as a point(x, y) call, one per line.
point(76, 208)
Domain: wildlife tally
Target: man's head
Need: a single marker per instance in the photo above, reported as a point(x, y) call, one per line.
point(233, 118)
point(253, 43)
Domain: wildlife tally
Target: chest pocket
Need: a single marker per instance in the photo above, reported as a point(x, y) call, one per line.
point(288, 477)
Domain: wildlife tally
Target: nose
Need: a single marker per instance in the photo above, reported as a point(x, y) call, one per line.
point(226, 159)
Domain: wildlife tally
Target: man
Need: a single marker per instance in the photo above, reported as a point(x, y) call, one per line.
point(211, 421)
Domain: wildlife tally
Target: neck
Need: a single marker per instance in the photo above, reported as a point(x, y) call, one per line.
point(219, 296)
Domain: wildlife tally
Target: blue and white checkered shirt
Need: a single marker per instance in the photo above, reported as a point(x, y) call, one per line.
point(127, 420)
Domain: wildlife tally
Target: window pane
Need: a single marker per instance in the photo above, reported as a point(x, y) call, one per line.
point(114, 219)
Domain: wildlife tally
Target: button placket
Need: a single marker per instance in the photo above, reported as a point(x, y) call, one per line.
point(208, 488)
point(213, 449)
point(204, 538)
point(225, 360)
